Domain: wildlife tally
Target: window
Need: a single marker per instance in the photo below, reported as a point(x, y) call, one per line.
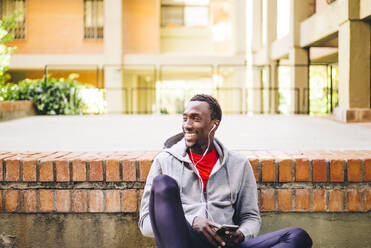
point(8, 8)
point(93, 19)
point(188, 13)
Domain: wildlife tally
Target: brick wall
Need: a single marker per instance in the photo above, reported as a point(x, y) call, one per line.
point(16, 109)
point(71, 182)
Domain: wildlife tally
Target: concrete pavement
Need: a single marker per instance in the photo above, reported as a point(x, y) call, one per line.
point(148, 132)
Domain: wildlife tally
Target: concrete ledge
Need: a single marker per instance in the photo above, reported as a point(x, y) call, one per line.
point(53, 230)
point(16, 109)
point(353, 115)
point(79, 199)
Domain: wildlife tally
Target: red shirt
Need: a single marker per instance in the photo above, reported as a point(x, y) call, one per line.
point(205, 166)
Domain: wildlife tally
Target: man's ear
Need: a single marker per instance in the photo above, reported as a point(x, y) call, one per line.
point(216, 123)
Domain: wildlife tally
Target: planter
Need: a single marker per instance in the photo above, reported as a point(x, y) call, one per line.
point(16, 109)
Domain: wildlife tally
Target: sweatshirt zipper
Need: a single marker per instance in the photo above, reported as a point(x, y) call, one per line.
point(206, 207)
point(204, 193)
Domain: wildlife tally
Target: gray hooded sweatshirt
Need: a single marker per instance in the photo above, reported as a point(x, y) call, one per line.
point(230, 197)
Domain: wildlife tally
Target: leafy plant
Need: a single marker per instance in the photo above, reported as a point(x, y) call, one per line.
point(7, 23)
point(52, 96)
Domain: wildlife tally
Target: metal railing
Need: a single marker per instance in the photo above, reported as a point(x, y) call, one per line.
point(258, 93)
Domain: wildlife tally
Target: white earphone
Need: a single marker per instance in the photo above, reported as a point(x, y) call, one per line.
point(213, 127)
point(208, 145)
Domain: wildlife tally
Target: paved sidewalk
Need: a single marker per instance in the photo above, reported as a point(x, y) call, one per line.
point(148, 132)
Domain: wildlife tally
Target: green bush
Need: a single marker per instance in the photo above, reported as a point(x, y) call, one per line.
point(52, 97)
point(8, 92)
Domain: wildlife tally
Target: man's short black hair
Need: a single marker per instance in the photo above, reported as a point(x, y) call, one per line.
point(216, 111)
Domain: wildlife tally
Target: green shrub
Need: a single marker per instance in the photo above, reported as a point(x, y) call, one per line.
point(7, 23)
point(52, 97)
point(8, 92)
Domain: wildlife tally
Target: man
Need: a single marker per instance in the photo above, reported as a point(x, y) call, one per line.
point(195, 185)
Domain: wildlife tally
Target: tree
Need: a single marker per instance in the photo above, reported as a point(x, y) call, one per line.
point(6, 25)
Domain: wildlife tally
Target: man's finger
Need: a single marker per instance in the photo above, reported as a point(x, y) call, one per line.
point(210, 238)
point(216, 237)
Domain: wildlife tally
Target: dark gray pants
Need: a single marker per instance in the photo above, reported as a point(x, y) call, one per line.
point(172, 230)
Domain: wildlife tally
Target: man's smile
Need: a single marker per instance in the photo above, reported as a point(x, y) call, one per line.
point(189, 135)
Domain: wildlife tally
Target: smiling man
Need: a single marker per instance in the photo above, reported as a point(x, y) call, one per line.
point(199, 194)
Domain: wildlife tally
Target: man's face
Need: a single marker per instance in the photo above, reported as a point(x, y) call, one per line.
point(197, 124)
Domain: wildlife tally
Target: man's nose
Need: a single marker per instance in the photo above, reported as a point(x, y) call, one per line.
point(187, 124)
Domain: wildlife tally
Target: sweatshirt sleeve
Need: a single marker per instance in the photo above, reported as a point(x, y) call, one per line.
point(248, 215)
point(144, 219)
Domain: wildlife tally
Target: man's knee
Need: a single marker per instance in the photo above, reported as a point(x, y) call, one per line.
point(163, 185)
point(300, 235)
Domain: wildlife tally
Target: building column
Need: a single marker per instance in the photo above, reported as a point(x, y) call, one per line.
point(239, 31)
point(270, 105)
point(298, 59)
point(354, 71)
point(254, 93)
point(274, 100)
point(113, 55)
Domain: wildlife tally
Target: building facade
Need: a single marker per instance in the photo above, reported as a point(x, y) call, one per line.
point(151, 55)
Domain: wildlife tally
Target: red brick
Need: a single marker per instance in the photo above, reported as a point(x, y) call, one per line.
point(268, 170)
point(354, 170)
point(62, 170)
point(367, 199)
point(29, 200)
point(319, 170)
point(112, 170)
point(11, 200)
point(129, 170)
point(255, 167)
point(129, 200)
point(12, 170)
point(78, 170)
point(267, 200)
point(319, 200)
point(46, 171)
point(284, 200)
point(336, 200)
point(367, 172)
point(29, 170)
point(46, 200)
point(96, 201)
point(302, 200)
point(63, 200)
point(285, 170)
point(353, 200)
point(337, 170)
point(144, 167)
point(302, 170)
point(79, 201)
point(112, 201)
point(96, 170)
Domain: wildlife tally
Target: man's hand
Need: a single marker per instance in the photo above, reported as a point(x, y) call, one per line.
point(206, 228)
point(234, 238)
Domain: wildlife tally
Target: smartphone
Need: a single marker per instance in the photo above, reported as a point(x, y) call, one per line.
point(230, 228)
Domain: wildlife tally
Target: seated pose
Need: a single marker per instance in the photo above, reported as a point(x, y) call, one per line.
point(196, 185)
